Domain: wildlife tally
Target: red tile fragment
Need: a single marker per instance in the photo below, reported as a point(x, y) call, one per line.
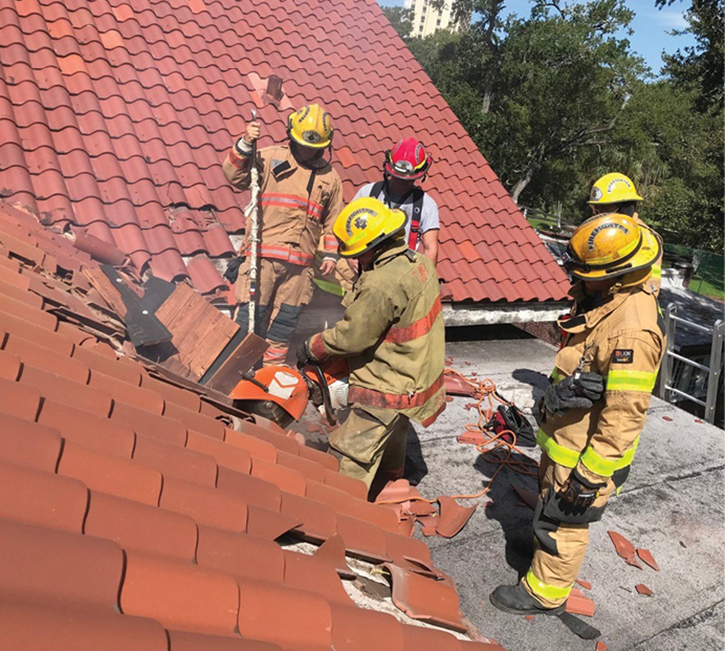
point(178, 595)
point(58, 568)
point(646, 556)
point(332, 552)
point(36, 626)
point(584, 584)
point(426, 599)
point(667, 418)
point(625, 549)
point(429, 524)
point(453, 517)
point(529, 617)
point(643, 589)
point(579, 604)
point(601, 646)
point(379, 514)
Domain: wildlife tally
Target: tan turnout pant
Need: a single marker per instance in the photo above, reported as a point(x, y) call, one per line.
point(371, 440)
point(282, 289)
point(551, 576)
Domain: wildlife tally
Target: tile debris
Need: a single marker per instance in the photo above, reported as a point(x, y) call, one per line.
point(643, 589)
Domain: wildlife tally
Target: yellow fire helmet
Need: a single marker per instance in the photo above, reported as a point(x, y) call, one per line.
point(611, 245)
point(364, 223)
point(613, 188)
point(311, 126)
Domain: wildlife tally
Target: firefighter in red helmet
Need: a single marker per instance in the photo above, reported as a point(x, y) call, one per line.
point(406, 163)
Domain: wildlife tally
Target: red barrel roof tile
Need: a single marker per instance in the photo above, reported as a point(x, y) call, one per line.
point(117, 117)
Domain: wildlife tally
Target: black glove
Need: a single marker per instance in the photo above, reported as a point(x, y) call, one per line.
point(232, 271)
point(578, 391)
point(578, 493)
point(304, 357)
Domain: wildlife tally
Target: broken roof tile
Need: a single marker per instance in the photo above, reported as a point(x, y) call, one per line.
point(453, 517)
point(643, 589)
point(646, 556)
point(579, 604)
point(426, 599)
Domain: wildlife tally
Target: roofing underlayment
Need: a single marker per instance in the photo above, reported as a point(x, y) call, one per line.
point(115, 118)
point(142, 513)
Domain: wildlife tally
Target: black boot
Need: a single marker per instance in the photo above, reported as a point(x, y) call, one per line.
point(514, 599)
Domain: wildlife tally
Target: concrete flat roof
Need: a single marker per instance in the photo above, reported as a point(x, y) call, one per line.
point(672, 505)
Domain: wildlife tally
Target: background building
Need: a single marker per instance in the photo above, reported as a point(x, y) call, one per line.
point(427, 19)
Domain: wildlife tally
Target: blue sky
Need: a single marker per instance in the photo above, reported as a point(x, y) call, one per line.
point(650, 25)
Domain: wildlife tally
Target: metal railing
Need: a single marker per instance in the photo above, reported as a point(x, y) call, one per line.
point(712, 371)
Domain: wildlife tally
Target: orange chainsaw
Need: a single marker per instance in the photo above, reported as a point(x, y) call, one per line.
point(281, 393)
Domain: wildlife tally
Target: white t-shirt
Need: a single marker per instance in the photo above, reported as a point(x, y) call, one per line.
point(429, 220)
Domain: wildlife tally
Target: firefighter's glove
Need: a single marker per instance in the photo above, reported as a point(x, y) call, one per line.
point(232, 271)
point(578, 494)
point(578, 391)
point(304, 356)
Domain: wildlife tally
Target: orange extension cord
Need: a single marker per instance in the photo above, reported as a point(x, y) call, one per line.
point(495, 450)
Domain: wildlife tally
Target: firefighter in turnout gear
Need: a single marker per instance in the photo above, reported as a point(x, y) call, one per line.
point(300, 197)
point(616, 193)
point(596, 404)
point(392, 336)
point(406, 164)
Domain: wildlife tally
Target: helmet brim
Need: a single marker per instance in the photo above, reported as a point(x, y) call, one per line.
point(309, 145)
point(405, 177)
point(648, 253)
point(601, 202)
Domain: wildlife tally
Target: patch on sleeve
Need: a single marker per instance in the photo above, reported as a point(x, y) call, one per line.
point(623, 356)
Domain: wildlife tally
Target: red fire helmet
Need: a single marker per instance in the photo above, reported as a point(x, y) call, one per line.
point(407, 160)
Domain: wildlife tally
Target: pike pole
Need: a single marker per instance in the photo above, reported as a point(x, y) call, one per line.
point(252, 214)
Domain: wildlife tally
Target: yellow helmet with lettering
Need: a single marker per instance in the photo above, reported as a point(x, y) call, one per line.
point(613, 188)
point(311, 126)
point(364, 223)
point(611, 245)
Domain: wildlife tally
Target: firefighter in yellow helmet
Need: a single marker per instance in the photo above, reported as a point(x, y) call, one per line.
point(392, 336)
point(596, 404)
point(300, 197)
point(617, 193)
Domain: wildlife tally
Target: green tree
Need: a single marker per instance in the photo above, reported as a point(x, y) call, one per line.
point(401, 19)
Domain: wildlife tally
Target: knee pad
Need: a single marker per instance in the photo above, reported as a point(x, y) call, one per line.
point(242, 317)
point(284, 324)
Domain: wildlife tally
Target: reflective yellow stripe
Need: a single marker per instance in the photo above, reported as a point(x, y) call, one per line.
point(553, 592)
point(631, 381)
point(627, 457)
point(606, 467)
point(597, 463)
point(557, 376)
point(557, 453)
point(657, 271)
